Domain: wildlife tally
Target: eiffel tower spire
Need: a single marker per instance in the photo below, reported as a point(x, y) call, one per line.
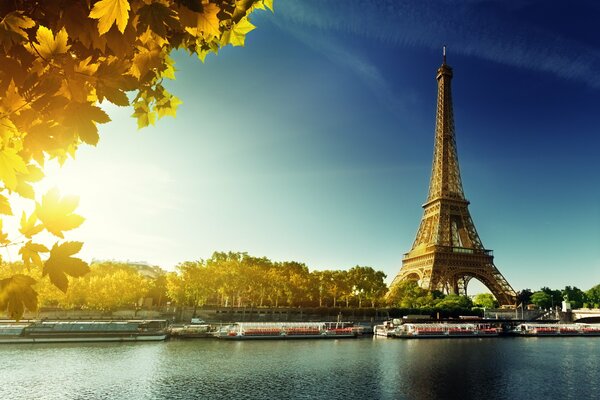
point(447, 252)
point(445, 174)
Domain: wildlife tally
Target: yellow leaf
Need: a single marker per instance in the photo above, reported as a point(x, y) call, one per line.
point(143, 114)
point(157, 17)
point(168, 107)
point(5, 206)
point(60, 264)
point(208, 21)
point(56, 213)
point(16, 293)
point(28, 227)
point(12, 28)
point(3, 236)
point(10, 164)
point(25, 189)
point(30, 253)
point(237, 34)
point(82, 118)
point(146, 60)
point(48, 45)
point(109, 12)
point(11, 100)
point(7, 131)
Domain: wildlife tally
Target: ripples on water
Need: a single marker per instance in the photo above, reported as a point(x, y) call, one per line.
point(501, 368)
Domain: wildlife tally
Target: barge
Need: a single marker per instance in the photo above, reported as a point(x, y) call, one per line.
point(541, 330)
point(83, 331)
point(288, 330)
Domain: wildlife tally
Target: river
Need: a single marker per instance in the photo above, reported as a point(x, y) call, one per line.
point(365, 368)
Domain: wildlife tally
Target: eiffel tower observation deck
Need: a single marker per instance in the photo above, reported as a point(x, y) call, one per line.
point(447, 252)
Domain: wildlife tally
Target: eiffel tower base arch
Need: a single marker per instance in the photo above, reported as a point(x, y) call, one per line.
point(449, 271)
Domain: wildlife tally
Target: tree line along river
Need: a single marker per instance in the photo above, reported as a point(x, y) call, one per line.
point(365, 368)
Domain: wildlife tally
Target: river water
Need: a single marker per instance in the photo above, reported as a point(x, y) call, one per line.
point(365, 368)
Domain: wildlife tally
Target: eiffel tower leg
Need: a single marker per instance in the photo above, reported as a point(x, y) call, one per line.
point(463, 282)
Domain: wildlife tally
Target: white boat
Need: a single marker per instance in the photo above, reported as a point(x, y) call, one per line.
point(82, 331)
point(387, 329)
point(444, 330)
point(540, 329)
point(287, 330)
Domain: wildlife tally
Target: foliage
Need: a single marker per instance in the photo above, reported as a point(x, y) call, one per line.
point(108, 286)
point(524, 297)
point(541, 299)
point(574, 295)
point(593, 296)
point(486, 300)
point(454, 301)
point(409, 294)
point(61, 62)
point(238, 279)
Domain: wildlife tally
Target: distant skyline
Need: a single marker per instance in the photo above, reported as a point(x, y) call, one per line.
point(314, 142)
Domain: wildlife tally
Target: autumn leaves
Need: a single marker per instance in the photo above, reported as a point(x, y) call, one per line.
point(59, 63)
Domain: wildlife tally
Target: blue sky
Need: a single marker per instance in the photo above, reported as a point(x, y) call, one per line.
point(314, 142)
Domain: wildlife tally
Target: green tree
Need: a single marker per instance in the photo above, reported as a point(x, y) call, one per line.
point(454, 301)
point(593, 296)
point(574, 295)
point(409, 294)
point(524, 297)
point(367, 284)
point(541, 299)
point(61, 63)
point(486, 300)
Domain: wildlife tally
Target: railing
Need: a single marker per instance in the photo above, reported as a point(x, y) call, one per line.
point(465, 250)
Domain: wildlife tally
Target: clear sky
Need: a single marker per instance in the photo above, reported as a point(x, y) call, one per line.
point(314, 142)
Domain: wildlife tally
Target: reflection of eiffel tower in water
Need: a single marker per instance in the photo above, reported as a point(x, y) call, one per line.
point(447, 251)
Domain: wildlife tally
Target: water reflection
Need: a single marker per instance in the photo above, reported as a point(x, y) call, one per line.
point(305, 369)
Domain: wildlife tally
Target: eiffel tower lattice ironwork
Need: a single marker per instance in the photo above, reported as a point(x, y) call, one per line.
point(447, 252)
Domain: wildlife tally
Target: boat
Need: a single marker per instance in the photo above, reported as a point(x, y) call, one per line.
point(288, 330)
point(387, 329)
point(540, 330)
point(82, 331)
point(197, 329)
point(444, 330)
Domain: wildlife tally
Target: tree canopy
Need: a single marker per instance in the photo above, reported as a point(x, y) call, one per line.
point(61, 62)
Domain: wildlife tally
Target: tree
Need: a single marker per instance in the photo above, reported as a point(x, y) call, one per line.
point(524, 297)
point(454, 301)
point(367, 284)
point(486, 300)
point(574, 295)
point(60, 61)
point(541, 299)
point(408, 294)
point(593, 296)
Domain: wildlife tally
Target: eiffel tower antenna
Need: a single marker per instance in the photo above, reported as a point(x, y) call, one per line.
point(447, 252)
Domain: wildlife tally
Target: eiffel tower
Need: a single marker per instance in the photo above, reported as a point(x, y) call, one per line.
point(447, 252)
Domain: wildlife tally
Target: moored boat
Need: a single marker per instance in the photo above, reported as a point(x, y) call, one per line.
point(541, 330)
point(82, 331)
point(444, 330)
point(287, 330)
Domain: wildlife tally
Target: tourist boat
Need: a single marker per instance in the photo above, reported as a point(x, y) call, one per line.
point(287, 330)
point(539, 330)
point(387, 329)
point(444, 330)
point(82, 331)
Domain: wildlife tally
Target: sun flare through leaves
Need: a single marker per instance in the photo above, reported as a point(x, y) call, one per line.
point(60, 64)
